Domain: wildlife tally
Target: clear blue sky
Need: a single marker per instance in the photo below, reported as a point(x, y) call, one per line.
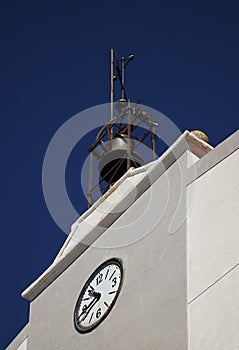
point(55, 63)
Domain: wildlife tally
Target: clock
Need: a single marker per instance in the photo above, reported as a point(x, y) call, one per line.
point(98, 296)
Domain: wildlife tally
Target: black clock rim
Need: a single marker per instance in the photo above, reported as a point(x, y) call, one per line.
point(81, 329)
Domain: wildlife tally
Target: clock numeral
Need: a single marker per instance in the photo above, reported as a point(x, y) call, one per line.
point(99, 278)
point(91, 292)
point(84, 307)
point(114, 281)
point(98, 313)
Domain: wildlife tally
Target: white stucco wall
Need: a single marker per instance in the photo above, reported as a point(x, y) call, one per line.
point(214, 316)
point(150, 312)
point(213, 258)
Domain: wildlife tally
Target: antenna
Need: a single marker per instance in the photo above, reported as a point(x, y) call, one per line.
point(121, 72)
point(120, 75)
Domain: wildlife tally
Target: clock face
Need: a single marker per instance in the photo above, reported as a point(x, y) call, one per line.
point(98, 296)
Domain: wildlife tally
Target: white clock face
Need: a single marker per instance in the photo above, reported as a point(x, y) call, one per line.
point(98, 296)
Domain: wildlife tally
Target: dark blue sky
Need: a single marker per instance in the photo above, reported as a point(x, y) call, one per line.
point(55, 63)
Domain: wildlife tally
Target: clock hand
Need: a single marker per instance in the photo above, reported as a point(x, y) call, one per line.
point(85, 314)
point(85, 311)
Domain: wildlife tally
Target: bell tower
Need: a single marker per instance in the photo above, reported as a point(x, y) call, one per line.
point(116, 147)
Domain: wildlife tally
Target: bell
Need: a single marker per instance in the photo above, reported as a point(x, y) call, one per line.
point(113, 163)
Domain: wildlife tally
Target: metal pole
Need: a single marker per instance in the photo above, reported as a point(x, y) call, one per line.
point(111, 84)
point(90, 201)
point(122, 67)
point(111, 89)
point(129, 140)
point(153, 138)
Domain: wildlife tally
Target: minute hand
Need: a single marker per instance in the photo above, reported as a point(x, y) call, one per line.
point(84, 313)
